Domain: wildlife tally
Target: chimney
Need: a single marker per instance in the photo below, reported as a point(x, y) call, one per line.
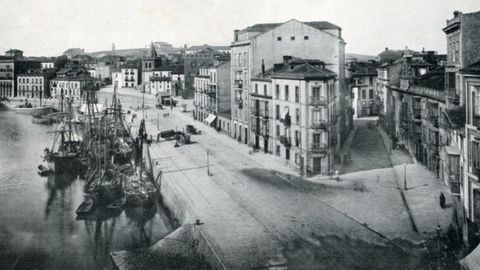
point(456, 13)
point(263, 68)
point(235, 35)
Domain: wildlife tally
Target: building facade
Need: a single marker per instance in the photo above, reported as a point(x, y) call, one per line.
point(293, 114)
point(362, 82)
point(267, 44)
point(212, 95)
point(11, 65)
point(463, 85)
point(35, 83)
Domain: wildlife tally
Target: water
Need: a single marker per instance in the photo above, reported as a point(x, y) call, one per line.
point(38, 226)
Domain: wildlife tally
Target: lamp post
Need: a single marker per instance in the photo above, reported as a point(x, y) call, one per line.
point(438, 229)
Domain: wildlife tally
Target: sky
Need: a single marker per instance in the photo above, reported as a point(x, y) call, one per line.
point(49, 27)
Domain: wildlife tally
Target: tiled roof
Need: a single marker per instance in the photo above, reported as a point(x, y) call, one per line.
point(390, 56)
point(13, 51)
point(364, 68)
point(472, 69)
point(304, 71)
point(323, 25)
point(200, 47)
point(264, 27)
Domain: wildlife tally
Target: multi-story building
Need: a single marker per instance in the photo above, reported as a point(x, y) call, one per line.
point(130, 75)
point(35, 83)
point(12, 64)
point(417, 109)
point(47, 64)
point(293, 114)
point(362, 82)
point(463, 86)
point(70, 82)
point(212, 95)
point(194, 61)
point(267, 44)
point(104, 71)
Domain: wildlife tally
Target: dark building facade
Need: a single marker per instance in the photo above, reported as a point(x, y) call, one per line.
point(11, 65)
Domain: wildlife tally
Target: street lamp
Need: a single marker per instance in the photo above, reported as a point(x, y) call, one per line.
point(438, 229)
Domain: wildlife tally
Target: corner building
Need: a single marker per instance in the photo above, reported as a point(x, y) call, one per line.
point(267, 44)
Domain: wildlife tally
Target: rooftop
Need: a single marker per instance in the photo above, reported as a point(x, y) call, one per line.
point(472, 69)
point(264, 27)
point(303, 69)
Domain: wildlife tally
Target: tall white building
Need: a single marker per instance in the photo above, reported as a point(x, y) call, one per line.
point(267, 44)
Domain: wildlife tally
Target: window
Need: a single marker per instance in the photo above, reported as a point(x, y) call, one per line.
point(292, 38)
point(305, 37)
point(265, 90)
point(277, 150)
point(277, 91)
point(370, 93)
point(317, 138)
point(297, 94)
point(286, 92)
point(364, 94)
point(297, 116)
point(277, 112)
point(279, 38)
point(287, 154)
point(245, 59)
point(297, 138)
point(256, 88)
point(278, 130)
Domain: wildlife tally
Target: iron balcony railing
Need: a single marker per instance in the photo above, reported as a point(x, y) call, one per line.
point(238, 84)
point(319, 124)
point(318, 147)
point(285, 141)
point(318, 100)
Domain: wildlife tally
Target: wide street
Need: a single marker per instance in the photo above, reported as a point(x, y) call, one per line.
point(307, 220)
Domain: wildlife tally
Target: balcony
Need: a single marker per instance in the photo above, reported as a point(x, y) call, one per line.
point(238, 84)
point(285, 141)
point(260, 95)
point(434, 120)
point(264, 114)
point(476, 121)
point(319, 124)
point(286, 119)
point(255, 111)
point(319, 147)
point(239, 102)
point(318, 101)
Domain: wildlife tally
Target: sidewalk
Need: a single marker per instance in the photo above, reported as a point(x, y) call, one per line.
point(422, 193)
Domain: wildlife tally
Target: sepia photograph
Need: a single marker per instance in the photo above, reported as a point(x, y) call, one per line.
point(240, 134)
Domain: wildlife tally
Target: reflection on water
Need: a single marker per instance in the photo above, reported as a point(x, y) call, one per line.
point(38, 224)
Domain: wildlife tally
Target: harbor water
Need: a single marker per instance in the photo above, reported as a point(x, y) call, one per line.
point(38, 224)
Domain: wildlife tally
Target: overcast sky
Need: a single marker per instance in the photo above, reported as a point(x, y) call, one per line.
point(48, 27)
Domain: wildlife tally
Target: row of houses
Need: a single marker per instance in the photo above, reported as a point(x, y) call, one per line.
point(287, 93)
point(428, 104)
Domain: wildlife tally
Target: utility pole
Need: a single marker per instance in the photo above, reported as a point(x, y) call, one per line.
point(208, 163)
point(405, 176)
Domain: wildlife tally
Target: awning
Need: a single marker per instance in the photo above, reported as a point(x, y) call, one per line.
point(284, 115)
point(210, 118)
point(472, 261)
point(97, 108)
point(452, 150)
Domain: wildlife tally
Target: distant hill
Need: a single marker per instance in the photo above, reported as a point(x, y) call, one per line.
point(136, 53)
point(360, 57)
